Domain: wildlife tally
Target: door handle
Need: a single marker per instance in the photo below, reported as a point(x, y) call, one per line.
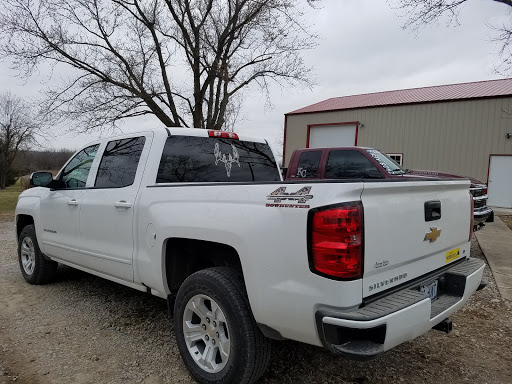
point(122, 204)
point(73, 203)
point(432, 210)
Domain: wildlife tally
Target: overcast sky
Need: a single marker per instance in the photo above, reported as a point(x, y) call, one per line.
point(362, 49)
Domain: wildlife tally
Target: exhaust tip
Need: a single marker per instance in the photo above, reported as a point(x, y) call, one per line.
point(445, 326)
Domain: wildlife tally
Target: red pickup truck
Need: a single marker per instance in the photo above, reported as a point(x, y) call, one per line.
point(369, 163)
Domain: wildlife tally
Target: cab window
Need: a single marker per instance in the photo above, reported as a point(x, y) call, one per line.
point(350, 164)
point(188, 159)
point(119, 163)
point(308, 164)
point(75, 174)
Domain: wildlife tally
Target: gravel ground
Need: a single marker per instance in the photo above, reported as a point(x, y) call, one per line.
point(82, 329)
point(507, 220)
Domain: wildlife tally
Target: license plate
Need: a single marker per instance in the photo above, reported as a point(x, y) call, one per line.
point(430, 289)
point(452, 255)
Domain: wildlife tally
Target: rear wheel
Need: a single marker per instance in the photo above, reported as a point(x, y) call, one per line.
point(216, 333)
point(35, 268)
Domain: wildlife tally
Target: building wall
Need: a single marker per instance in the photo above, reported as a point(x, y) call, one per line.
point(455, 137)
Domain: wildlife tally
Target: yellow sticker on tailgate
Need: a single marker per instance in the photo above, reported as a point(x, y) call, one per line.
point(452, 255)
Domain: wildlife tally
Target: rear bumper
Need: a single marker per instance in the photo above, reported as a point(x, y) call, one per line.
point(483, 215)
point(401, 316)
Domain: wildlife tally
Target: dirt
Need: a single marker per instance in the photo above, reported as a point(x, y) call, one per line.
point(83, 329)
point(507, 220)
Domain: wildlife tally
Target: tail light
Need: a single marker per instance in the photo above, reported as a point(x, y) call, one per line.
point(336, 241)
point(472, 220)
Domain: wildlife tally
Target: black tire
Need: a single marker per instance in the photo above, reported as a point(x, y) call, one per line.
point(249, 349)
point(43, 270)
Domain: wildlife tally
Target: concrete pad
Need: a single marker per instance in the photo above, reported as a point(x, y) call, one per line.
point(503, 280)
point(495, 239)
point(506, 293)
point(502, 211)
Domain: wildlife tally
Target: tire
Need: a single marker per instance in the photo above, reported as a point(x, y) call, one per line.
point(213, 309)
point(35, 267)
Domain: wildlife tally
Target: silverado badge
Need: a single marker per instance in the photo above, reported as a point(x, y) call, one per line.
point(432, 235)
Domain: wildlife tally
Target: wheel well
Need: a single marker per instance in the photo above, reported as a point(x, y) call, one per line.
point(184, 257)
point(21, 222)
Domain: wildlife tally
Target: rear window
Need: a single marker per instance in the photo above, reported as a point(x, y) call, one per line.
point(349, 165)
point(187, 159)
point(308, 164)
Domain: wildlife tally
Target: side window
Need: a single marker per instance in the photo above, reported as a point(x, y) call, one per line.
point(75, 174)
point(308, 164)
point(349, 165)
point(119, 163)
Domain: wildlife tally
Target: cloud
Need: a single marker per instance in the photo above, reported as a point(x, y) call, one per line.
point(362, 49)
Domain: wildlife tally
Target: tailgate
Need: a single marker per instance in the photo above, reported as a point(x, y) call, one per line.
point(400, 244)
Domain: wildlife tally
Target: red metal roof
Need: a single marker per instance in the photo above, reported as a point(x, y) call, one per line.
point(478, 89)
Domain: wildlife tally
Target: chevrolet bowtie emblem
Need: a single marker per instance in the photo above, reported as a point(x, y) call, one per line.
point(432, 235)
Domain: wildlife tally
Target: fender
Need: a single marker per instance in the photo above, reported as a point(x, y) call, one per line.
point(29, 204)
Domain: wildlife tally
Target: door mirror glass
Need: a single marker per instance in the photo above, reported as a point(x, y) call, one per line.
point(41, 179)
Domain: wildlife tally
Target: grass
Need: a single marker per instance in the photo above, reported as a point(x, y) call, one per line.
point(507, 220)
point(9, 198)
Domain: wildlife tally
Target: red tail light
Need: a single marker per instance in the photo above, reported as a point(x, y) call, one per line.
point(336, 241)
point(472, 212)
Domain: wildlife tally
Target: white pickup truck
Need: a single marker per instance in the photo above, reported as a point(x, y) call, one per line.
point(203, 219)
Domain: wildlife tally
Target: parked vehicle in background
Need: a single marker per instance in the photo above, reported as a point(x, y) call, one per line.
point(361, 162)
point(203, 219)
point(482, 213)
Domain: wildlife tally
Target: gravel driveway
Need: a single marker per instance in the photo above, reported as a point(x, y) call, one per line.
point(83, 329)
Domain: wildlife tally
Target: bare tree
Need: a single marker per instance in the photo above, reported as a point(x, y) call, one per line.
point(28, 161)
point(17, 130)
point(419, 13)
point(183, 61)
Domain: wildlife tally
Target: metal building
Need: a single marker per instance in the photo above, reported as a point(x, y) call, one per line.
point(464, 129)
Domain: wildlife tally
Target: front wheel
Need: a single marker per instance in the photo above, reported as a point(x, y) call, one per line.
point(216, 333)
point(35, 267)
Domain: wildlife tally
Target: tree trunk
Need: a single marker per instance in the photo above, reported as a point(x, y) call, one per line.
point(3, 178)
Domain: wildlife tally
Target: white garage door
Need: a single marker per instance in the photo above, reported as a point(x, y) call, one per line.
point(343, 135)
point(500, 182)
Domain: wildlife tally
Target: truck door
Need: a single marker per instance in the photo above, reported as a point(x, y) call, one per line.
point(107, 210)
point(60, 208)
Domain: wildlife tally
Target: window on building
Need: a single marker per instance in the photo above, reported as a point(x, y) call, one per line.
point(188, 159)
point(346, 164)
point(119, 163)
point(308, 164)
point(75, 174)
point(396, 157)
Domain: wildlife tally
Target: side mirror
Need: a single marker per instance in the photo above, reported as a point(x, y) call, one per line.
point(41, 179)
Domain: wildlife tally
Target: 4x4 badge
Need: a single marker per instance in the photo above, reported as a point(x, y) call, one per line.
point(432, 235)
point(301, 196)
